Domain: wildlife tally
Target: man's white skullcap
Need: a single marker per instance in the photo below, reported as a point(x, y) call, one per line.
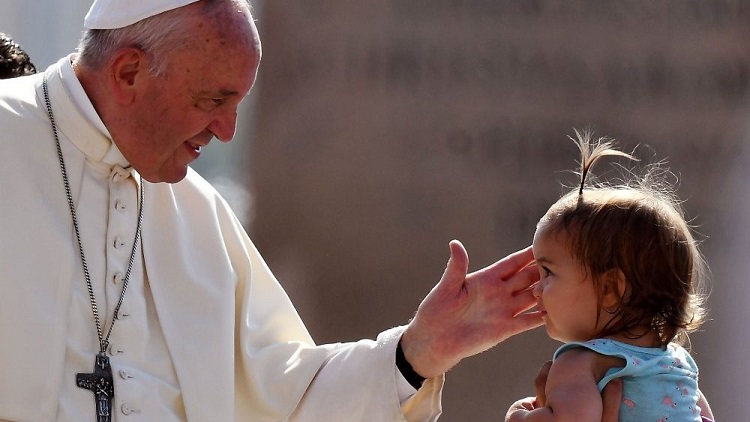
point(111, 14)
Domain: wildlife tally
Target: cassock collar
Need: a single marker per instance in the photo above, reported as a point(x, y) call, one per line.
point(99, 148)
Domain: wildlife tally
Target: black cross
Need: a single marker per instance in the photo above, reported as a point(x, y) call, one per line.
point(100, 383)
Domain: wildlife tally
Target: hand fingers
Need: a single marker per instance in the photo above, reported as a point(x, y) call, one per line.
point(611, 397)
point(527, 321)
point(515, 271)
point(511, 264)
point(540, 382)
point(524, 278)
point(458, 265)
point(526, 405)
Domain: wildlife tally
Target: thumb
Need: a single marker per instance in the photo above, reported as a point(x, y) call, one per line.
point(612, 395)
point(458, 265)
point(540, 384)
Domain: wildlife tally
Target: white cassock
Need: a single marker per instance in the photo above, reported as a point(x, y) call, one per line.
point(205, 332)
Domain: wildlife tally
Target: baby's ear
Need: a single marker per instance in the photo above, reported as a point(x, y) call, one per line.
point(614, 288)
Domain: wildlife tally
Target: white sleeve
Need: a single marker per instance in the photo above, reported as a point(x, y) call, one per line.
point(403, 388)
point(359, 381)
point(283, 375)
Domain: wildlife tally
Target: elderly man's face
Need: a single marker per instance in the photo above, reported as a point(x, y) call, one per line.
point(196, 99)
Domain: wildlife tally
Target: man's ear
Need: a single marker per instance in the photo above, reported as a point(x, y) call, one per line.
point(614, 288)
point(128, 69)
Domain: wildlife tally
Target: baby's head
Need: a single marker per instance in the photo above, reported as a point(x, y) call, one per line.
point(631, 240)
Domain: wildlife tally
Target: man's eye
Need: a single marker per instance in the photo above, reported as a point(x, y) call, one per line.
point(210, 103)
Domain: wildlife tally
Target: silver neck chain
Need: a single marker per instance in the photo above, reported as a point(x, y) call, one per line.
point(103, 340)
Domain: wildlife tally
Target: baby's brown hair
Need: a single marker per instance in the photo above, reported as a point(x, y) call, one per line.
point(636, 226)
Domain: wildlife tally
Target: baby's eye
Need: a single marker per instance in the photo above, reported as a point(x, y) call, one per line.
point(546, 272)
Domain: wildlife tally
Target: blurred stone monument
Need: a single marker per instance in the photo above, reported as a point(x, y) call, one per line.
point(385, 129)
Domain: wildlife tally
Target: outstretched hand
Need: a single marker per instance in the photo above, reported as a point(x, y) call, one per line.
point(467, 314)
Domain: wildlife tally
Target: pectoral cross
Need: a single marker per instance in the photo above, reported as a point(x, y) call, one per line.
point(100, 383)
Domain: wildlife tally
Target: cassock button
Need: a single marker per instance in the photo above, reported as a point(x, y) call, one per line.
point(117, 278)
point(123, 314)
point(127, 410)
point(119, 173)
point(125, 374)
point(118, 243)
point(114, 350)
point(120, 206)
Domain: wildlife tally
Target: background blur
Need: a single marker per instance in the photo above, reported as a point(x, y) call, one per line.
point(380, 130)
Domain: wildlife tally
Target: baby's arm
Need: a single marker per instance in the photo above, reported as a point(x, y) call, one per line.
point(571, 392)
point(705, 408)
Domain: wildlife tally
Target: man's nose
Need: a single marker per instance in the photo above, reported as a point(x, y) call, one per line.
point(223, 126)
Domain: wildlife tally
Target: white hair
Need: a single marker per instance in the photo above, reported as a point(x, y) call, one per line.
point(158, 35)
